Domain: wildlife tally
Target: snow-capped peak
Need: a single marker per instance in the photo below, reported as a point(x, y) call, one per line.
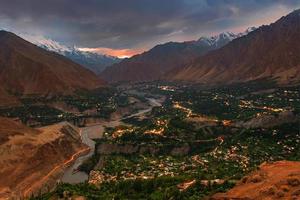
point(93, 61)
point(222, 38)
point(47, 43)
point(52, 45)
point(250, 29)
point(218, 40)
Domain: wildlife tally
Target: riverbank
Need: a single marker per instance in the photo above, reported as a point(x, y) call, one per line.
point(96, 131)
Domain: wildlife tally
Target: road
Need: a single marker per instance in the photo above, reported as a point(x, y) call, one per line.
point(78, 177)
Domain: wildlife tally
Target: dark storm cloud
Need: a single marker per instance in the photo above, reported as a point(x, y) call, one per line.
point(128, 23)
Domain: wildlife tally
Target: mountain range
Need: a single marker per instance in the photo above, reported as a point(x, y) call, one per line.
point(26, 69)
point(92, 61)
point(161, 59)
point(268, 52)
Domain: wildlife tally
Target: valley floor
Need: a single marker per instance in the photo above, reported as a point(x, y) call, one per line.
point(155, 141)
point(197, 143)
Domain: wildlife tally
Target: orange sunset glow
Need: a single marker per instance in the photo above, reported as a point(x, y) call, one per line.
point(120, 53)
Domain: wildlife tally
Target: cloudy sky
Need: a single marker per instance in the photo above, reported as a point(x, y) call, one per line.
point(126, 27)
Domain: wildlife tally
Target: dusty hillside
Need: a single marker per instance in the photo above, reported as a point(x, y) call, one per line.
point(32, 158)
point(279, 180)
point(28, 69)
point(268, 52)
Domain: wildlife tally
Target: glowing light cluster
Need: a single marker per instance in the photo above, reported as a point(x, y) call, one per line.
point(158, 131)
point(167, 88)
point(247, 104)
point(120, 132)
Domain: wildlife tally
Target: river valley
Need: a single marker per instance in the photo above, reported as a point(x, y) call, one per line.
point(96, 131)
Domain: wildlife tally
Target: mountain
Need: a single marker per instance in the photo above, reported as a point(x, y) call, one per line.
point(92, 61)
point(34, 158)
point(27, 69)
point(222, 39)
point(153, 64)
point(268, 52)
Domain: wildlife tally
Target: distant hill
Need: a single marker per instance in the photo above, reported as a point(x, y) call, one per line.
point(153, 64)
point(268, 52)
point(26, 69)
point(92, 61)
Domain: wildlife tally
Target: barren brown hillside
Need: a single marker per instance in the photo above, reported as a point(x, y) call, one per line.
point(32, 159)
point(279, 180)
point(28, 69)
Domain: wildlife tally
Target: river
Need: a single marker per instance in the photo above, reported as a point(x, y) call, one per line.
point(93, 132)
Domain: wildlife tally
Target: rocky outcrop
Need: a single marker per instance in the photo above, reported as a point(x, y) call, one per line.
point(180, 151)
point(279, 180)
point(267, 121)
point(31, 160)
point(108, 149)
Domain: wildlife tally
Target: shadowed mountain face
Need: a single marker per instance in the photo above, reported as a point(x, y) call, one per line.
point(27, 69)
point(153, 64)
point(268, 52)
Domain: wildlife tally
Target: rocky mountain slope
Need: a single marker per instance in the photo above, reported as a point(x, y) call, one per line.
point(153, 64)
point(32, 159)
point(279, 180)
point(26, 69)
point(92, 61)
point(268, 52)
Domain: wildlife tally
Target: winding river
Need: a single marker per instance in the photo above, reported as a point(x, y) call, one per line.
point(71, 175)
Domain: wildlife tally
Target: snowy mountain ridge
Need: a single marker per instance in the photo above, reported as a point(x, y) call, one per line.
point(93, 61)
point(222, 38)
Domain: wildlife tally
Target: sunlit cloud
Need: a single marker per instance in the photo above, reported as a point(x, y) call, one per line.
point(120, 53)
